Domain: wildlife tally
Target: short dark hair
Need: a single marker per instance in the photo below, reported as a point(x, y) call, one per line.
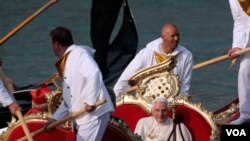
point(62, 35)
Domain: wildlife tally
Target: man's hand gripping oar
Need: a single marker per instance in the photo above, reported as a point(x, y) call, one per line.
point(222, 58)
point(15, 109)
point(55, 123)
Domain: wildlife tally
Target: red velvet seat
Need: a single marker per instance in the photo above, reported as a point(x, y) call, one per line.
point(130, 113)
point(198, 126)
point(58, 134)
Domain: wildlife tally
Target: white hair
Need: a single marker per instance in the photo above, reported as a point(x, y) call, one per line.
point(160, 100)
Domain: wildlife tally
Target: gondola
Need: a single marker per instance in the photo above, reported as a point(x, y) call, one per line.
point(151, 82)
point(129, 109)
point(123, 48)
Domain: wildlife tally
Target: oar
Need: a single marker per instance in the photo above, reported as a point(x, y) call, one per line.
point(18, 112)
point(219, 59)
point(67, 118)
point(201, 65)
point(26, 21)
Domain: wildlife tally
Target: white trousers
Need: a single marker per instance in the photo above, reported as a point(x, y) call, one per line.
point(244, 86)
point(94, 130)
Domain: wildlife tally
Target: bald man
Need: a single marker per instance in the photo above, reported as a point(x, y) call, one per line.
point(168, 44)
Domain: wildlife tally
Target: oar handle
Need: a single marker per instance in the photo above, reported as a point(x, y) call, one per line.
point(67, 118)
point(26, 21)
point(219, 59)
point(210, 62)
point(24, 125)
point(18, 112)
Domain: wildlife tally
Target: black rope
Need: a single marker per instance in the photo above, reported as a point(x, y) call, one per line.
point(181, 132)
point(171, 132)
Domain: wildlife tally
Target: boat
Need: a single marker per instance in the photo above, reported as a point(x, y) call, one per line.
point(152, 82)
point(123, 48)
point(41, 102)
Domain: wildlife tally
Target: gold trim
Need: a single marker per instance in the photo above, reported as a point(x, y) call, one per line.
point(159, 81)
point(160, 57)
point(178, 100)
point(156, 81)
point(166, 65)
point(123, 126)
point(231, 110)
point(207, 115)
point(54, 99)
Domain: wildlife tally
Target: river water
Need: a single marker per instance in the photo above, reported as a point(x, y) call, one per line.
point(205, 29)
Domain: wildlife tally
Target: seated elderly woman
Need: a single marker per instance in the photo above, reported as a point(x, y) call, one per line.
point(159, 126)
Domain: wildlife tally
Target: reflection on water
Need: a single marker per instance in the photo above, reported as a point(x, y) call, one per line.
point(205, 28)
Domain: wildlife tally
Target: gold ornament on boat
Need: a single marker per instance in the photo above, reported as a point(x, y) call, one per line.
point(120, 125)
point(159, 81)
point(165, 66)
point(228, 112)
point(54, 100)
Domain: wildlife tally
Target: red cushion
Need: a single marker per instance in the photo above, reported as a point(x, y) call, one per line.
point(58, 134)
point(194, 121)
point(130, 113)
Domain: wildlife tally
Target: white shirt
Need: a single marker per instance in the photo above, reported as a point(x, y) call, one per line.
point(145, 58)
point(82, 83)
point(241, 28)
point(5, 97)
point(150, 130)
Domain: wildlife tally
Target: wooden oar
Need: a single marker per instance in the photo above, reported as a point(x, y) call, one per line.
point(219, 59)
point(26, 21)
point(67, 118)
point(201, 65)
point(17, 112)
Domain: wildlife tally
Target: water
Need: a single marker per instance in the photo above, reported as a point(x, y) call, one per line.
point(205, 28)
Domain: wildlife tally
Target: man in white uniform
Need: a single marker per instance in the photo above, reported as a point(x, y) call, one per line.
point(241, 16)
point(159, 127)
point(5, 97)
point(168, 44)
point(82, 86)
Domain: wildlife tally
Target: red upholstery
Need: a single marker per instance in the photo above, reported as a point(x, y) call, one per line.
point(130, 113)
point(56, 135)
point(32, 111)
point(197, 125)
